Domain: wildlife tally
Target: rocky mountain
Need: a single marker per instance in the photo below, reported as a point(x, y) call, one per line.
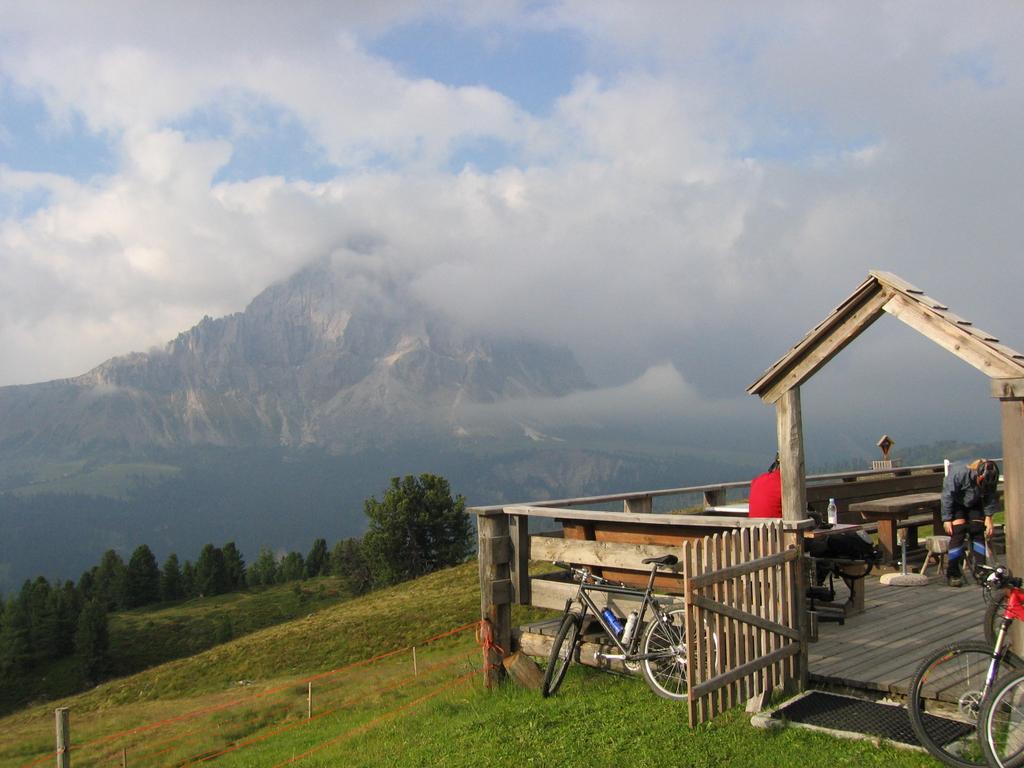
point(341, 363)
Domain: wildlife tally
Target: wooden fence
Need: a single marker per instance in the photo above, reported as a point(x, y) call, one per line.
point(742, 629)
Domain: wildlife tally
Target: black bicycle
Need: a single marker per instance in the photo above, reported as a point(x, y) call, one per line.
point(657, 646)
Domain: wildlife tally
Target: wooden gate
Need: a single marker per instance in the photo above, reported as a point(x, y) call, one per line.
point(743, 637)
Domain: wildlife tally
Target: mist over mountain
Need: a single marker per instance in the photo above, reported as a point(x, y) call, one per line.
point(342, 363)
point(271, 426)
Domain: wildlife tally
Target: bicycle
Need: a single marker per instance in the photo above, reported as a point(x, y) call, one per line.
point(950, 687)
point(1001, 723)
point(659, 648)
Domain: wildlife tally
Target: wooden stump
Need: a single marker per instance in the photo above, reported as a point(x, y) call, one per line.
point(524, 670)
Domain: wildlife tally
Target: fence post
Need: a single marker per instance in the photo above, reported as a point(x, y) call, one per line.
point(309, 702)
point(63, 716)
point(493, 550)
point(638, 505)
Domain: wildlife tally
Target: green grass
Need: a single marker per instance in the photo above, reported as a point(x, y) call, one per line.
point(146, 637)
point(381, 715)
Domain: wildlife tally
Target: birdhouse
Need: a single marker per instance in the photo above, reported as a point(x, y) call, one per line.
point(885, 443)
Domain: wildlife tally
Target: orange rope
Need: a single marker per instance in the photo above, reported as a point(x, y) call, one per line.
point(194, 759)
point(379, 719)
point(485, 637)
point(210, 710)
point(155, 749)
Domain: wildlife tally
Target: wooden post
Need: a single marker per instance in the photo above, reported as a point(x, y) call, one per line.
point(124, 757)
point(309, 701)
point(519, 563)
point(789, 426)
point(495, 590)
point(63, 716)
point(640, 505)
point(713, 497)
point(1011, 401)
point(415, 669)
point(524, 671)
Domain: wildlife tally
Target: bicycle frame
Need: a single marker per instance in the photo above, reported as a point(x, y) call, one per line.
point(647, 600)
point(1014, 612)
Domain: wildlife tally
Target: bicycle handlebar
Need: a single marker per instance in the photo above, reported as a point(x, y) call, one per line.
point(1000, 577)
point(584, 574)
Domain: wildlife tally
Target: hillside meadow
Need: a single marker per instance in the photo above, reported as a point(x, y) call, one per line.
point(246, 703)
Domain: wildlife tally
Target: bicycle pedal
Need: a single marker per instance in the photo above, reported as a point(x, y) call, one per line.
point(598, 656)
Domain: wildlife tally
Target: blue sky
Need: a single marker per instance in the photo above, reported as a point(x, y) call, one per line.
point(651, 184)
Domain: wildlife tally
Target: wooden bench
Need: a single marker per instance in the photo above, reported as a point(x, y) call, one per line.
point(895, 512)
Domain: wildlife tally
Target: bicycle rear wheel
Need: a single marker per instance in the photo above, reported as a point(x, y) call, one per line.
point(665, 671)
point(562, 652)
point(945, 698)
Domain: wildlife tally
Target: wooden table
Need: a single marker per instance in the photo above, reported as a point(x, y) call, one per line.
point(890, 511)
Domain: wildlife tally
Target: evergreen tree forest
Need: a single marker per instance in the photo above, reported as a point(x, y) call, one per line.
point(417, 528)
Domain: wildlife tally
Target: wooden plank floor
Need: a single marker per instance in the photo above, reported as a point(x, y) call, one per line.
point(879, 650)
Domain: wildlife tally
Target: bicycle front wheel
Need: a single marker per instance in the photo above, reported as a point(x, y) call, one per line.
point(945, 701)
point(665, 647)
point(562, 652)
point(1001, 727)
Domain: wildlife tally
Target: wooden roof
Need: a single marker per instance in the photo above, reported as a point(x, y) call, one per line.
point(885, 292)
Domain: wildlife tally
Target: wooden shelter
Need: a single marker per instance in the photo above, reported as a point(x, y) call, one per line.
point(882, 293)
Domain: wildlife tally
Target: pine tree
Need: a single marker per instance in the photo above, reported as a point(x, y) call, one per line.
point(317, 561)
point(15, 650)
point(42, 635)
point(234, 566)
point(142, 579)
point(188, 580)
point(211, 575)
point(264, 571)
point(292, 568)
point(67, 605)
point(109, 580)
point(350, 566)
point(171, 582)
point(417, 528)
point(87, 584)
point(92, 641)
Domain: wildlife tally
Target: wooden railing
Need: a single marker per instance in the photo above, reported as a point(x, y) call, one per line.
point(845, 487)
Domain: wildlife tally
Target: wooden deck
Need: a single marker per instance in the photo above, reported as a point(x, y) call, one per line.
point(877, 651)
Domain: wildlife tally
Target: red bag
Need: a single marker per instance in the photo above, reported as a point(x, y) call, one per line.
point(766, 495)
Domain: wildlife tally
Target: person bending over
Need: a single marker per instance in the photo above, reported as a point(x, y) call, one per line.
point(968, 503)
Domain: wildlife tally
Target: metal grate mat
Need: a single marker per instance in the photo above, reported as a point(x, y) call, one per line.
point(845, 713)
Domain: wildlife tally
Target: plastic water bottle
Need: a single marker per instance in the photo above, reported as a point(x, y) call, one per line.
point(627, 633)
point(833, 514)
point(613, 621)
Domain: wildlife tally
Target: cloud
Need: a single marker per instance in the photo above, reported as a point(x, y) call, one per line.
point(711, 185)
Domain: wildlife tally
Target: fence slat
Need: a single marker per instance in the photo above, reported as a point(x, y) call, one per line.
point(689, 624)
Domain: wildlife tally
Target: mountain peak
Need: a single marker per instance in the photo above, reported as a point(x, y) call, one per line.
point(320, 358)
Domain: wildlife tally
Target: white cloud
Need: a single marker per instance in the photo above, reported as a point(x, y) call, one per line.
point(706, 192)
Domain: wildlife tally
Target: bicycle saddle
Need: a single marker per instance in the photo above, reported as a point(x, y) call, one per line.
point(663, 560)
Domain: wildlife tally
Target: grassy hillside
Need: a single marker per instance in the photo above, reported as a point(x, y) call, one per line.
point(248, 704)
point(145, 637)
